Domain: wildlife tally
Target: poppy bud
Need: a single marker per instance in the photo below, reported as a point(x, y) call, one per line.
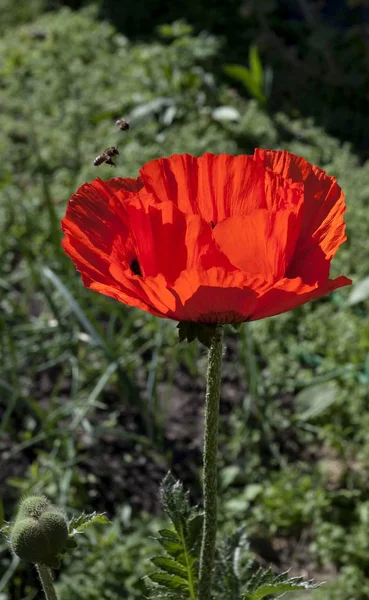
point(40, 531)
point(33, 506)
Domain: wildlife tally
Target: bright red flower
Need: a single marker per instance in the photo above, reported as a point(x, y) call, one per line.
point(215, 239)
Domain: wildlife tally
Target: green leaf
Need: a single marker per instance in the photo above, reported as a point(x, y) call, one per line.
point(175, 501)
point(79, 524)
point(256, 67)
point(265, 584)
point(252, 78)
point(269, 590)
point(172, 547)
point(171, 582)
point(75, 308)
point(240, 73)
point(168, 533)
point(227, 580)
point(194, 527)
point(169, 566)
point(315, 399)
point(178, 566)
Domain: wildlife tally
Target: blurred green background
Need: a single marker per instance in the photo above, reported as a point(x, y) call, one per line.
point(98, 401)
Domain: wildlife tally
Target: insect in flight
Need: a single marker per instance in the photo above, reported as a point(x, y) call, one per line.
point(106, 156)
point(122, 124)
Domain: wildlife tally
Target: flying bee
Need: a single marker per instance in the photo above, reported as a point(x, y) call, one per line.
point(106, 157)
point(122, 124)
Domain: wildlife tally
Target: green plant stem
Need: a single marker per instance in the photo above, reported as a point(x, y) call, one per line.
point(210, 465)
point(47, 582)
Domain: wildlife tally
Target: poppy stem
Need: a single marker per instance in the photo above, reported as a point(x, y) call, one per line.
point(207, 552)
point(46, 579)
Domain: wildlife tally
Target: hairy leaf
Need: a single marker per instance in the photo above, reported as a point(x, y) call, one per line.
point(266, 584)
point(228, 574)
point(78, 524)
point(178, 571)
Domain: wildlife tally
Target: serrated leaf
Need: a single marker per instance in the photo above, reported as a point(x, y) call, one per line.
point(170, 566)
point(172, 582)
point(180, 545)
point(170, 542)
point(169, 534)
point(173, 548)
point(78, 524)
point(265, 583)
point(269, 590)
point(227, 575)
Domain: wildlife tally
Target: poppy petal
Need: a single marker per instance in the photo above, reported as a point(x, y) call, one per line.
point(216, 295)
point(261, 243)
point(127, 184)
point(213, 186)
point(324, 201)
point(95, 215)
point(168, 241)
point(290, 293)
point(99, 241)
point(110, 278)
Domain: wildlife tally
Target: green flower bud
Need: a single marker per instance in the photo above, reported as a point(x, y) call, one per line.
point(40, 531)
point(32, 506)
point(55, 528)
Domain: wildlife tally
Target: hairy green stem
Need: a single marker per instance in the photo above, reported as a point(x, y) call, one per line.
point(210, 465)
point(47, 582)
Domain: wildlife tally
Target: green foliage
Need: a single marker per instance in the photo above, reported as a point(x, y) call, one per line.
point(350, 585)
point(110, 562)
point(231, 555)
point(279, 502)
point(266, 584)
point(22, 12)
point(253, 78)
point(178, 567)
point(235, 577)
point(79, 524)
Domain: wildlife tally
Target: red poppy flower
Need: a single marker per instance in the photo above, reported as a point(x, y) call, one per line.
point(215, 239)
